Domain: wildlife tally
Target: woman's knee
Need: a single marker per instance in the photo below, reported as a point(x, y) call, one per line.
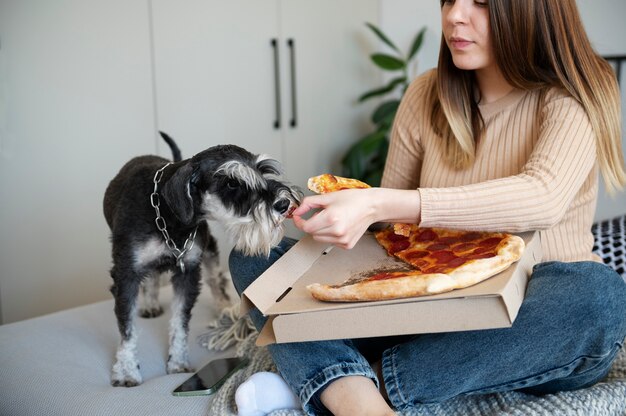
point(591, 291)
point(246, 269)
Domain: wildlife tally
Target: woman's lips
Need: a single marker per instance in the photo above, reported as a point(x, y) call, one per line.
point(460, 43)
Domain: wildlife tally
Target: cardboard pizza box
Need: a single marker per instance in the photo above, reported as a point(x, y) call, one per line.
point(294, 315)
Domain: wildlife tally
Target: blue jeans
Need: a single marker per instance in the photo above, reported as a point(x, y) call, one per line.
point(567, 333)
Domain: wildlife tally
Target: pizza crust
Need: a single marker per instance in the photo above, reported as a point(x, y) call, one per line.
point(400, 287)
point(403, 229)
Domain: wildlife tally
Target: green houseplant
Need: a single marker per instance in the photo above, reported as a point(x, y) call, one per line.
point(365, 159)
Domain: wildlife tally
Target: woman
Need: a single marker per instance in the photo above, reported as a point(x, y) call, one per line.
point(507, 134)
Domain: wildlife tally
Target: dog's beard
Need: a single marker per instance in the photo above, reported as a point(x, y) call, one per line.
point(253, 234)
point(257, 234)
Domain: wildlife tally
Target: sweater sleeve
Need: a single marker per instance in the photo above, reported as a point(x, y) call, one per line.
point(539, 196)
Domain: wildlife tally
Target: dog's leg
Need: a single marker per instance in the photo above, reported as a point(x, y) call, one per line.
point(150, 306)
point(125, 290)
point(186, 290)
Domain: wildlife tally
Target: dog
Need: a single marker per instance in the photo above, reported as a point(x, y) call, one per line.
point(157, 211)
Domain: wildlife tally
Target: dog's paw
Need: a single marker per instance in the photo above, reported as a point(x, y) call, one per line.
point(125, 383)
point(176, 367)
point(151, 312)
point(125, 374)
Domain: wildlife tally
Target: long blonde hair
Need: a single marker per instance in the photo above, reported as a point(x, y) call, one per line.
point(537, 44)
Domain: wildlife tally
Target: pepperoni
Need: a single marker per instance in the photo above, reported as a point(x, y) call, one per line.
point(445, 267)
point(490, 242)
point(391, 236)
point(463, 247)
point(457, 262)
point(443, 256)
point(399, 246)
point(487, 249)
point(426, 235)
point(412, 255)
point(469, 237)
point(448, 240)
point(437, 247)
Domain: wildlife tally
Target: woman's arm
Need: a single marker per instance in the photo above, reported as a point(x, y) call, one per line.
point(345, 215)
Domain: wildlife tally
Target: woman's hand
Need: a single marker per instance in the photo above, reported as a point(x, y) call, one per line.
point(345, 215)
point(342, 218)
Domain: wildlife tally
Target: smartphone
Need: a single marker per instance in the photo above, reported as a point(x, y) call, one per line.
point(209, 378)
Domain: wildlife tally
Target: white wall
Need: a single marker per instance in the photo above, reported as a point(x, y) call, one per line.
point(73, 73)
point(604, 22)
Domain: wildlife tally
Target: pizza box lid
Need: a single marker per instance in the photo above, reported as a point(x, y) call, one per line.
point(294, 315)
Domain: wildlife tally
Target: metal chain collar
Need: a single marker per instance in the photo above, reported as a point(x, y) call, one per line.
point(162, 226)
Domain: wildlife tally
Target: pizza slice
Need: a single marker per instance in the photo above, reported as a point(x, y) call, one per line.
point(326, 183)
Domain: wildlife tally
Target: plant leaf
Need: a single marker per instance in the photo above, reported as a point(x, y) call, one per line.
point(383, 90)
point(358, 160)
point(382, 36)
point(388, 62)
point(353, 163)
point(375, 93)
point(374, 178)
point(397, 81)
point(385, 110)
point(371, 142)
point(417, 44)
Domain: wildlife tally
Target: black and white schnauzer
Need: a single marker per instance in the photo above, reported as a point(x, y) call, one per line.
point(158, 210)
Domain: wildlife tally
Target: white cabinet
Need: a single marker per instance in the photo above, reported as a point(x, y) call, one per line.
point(279, 77)
point(214, 73)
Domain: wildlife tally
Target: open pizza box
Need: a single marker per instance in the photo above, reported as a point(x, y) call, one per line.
point(294, 315)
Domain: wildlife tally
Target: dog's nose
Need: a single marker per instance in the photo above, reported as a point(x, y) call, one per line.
point(281, 206)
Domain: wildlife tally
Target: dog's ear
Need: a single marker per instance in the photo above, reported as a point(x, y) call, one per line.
point(177, 193)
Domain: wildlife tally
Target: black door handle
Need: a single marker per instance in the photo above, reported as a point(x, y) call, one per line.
point(274, 44)
point(294, 107)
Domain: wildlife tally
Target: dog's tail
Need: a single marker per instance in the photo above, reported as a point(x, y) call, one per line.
point(176, 155)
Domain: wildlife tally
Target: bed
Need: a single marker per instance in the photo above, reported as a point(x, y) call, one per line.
point(59, 364)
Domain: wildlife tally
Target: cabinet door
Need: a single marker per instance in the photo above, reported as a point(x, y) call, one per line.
point(215, 73)
point(332, 68)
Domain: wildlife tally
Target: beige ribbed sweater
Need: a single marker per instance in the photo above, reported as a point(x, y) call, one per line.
point(530, 173)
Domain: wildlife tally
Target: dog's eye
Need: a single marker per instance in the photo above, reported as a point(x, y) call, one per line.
point(232, 184)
